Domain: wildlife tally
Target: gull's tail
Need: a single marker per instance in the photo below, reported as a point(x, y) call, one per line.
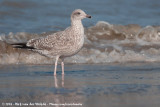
point(22, 46)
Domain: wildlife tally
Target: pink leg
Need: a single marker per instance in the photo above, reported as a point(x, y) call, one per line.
point(55, 81)
point(55, 68)
point(62, 64)
point(62, 80)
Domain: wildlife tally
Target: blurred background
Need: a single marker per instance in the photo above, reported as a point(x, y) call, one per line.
point(34, 16)
point(118, 65)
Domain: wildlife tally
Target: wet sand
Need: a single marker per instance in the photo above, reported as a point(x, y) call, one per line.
point(97, 85)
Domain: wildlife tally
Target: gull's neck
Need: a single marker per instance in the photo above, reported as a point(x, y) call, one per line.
point(77, 25)
point(76, 22)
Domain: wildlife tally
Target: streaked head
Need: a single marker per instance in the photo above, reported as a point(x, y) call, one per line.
point(79, 14)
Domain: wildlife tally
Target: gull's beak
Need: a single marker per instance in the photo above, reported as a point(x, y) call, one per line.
point(88, 16)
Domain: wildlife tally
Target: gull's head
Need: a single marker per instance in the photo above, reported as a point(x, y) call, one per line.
point(79, 14)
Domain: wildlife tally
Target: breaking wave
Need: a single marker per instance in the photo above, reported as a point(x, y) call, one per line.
point(104, 43)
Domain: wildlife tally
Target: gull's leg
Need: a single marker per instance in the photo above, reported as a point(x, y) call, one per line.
point(55, 68)
point(62, 80)
point(55, 81)
point(62, 65)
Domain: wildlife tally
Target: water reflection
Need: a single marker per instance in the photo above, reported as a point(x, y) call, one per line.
point(117, 86)
point(56, 83)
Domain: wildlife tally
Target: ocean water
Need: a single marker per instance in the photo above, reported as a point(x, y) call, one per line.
point(33, 16)
point(118, 65)
point(104, 43)
point(92, 85)
point(119, 31)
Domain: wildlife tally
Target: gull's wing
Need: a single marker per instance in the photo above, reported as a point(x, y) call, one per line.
point(57, 41)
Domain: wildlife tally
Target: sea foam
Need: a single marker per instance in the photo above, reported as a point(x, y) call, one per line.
point(104, 43)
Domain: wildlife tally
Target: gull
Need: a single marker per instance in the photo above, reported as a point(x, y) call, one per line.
point(61, 44)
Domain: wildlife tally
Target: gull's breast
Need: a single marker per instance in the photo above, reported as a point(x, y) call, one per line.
point(75, 47)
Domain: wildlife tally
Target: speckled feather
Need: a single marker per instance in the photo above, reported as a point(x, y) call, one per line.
point(61, 44)
point(64, 43)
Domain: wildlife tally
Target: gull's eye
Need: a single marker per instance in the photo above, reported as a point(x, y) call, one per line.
point(78, 13)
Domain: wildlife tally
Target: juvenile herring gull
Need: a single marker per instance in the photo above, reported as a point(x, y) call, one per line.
point(61, 44)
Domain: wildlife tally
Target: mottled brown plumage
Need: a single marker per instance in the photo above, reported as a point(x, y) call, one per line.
point(64, 43)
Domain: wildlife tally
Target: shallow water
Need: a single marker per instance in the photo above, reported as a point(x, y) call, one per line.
point(114, 85)
point(107, 42)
